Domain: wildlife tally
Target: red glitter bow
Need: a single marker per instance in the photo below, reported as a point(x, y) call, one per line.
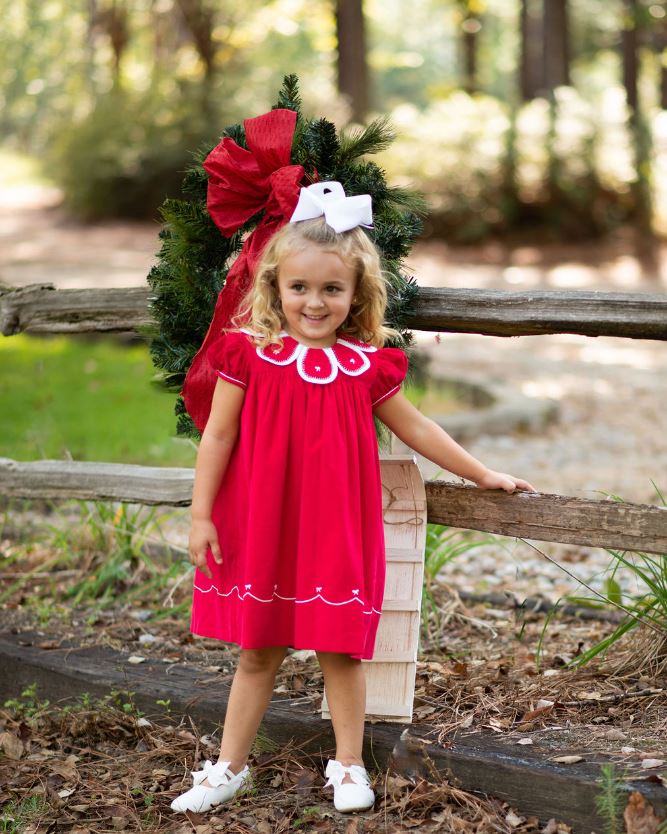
point(241, 183)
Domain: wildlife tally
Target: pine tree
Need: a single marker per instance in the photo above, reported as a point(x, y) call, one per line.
point(194, 257)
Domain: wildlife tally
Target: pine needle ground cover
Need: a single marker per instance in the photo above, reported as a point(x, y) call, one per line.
point(492, 671)
point(85, 399)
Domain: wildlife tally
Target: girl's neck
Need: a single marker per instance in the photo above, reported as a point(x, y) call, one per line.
point(333, 339)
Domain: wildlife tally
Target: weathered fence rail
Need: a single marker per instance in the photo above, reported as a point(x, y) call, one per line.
point(41, 308)
point(537, 516)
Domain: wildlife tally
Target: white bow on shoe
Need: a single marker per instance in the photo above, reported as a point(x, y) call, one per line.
point(223, 785)
point(355, 796)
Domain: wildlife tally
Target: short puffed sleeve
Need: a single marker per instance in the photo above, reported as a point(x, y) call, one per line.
point(228, 356)
point(391, 366)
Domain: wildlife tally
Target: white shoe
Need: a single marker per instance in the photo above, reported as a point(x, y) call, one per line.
point(355, 796)
point(223, 786)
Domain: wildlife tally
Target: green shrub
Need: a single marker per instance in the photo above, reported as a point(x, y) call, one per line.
point(488, 168)
point(126, 156)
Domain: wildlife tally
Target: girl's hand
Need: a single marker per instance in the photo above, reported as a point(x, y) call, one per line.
point(202, 536)
point(499, 480)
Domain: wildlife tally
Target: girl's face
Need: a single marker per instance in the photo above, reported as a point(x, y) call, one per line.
point(316, 290)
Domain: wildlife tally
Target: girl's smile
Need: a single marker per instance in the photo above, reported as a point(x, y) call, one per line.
point(316, 290)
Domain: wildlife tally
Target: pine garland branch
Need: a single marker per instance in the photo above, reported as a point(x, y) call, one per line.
point(194, 258)
point(289, 96)
point(376, 137)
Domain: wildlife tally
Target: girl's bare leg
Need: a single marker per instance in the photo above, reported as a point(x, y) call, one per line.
point(249, 697)
point(345, 685)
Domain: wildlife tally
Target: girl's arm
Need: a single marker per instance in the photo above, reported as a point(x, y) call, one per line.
point(428, 439)
point(215, 448)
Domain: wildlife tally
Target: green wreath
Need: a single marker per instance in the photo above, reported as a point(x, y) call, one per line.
point(194, 257)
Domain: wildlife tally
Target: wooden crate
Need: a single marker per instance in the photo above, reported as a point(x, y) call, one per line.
point(390, 676)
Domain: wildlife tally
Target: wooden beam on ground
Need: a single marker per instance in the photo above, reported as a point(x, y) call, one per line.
point(486, 763)
point(40, 308)
point(537, 516)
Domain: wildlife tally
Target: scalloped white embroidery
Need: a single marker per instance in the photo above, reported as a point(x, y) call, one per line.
point(287, 599)
point(300, 352)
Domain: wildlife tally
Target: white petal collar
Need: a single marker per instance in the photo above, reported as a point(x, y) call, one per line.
point(319, 365)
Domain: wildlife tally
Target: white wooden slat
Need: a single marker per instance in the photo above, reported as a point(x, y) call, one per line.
point(390, 676)
point(395, 554)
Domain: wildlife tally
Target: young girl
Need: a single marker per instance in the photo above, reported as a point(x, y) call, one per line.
point(287, 533)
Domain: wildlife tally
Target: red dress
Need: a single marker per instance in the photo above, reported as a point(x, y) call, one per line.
point(299, 509)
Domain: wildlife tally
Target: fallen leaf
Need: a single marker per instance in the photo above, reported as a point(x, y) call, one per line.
point(649, 763)
point(422, 712)
point(628, 750)
point(513, 820)
point(63, 794)
point(135, 659)
point(66, 769)
point(590, 696)
point(639, 816)
point(499, 724)
point(535, 713)
point(147, 639)
point(525, 741)
point(555, 827)
point(11, 746)
point(395, 783)
point(568, 759)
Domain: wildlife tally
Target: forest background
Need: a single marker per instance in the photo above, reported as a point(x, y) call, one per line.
point(511, 115)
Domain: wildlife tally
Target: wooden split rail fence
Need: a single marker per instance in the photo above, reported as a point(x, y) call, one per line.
point(40, 308)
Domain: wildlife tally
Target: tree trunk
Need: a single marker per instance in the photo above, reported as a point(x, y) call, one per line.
point(200, 17)
point(529, 33)
point(659, 43)
point(639, 128)
point(556, 44)
point(353, 82)
point(117, 22)
point(629, 47)
point(470, 26)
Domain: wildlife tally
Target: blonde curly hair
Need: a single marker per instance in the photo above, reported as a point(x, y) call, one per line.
point(260, 310)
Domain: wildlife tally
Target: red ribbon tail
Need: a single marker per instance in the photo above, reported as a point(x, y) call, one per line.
point(200, 379)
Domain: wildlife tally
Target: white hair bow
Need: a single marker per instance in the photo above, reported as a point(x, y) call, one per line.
point(328, 198)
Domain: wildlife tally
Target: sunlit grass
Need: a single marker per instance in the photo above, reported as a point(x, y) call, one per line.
point(88, 399)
